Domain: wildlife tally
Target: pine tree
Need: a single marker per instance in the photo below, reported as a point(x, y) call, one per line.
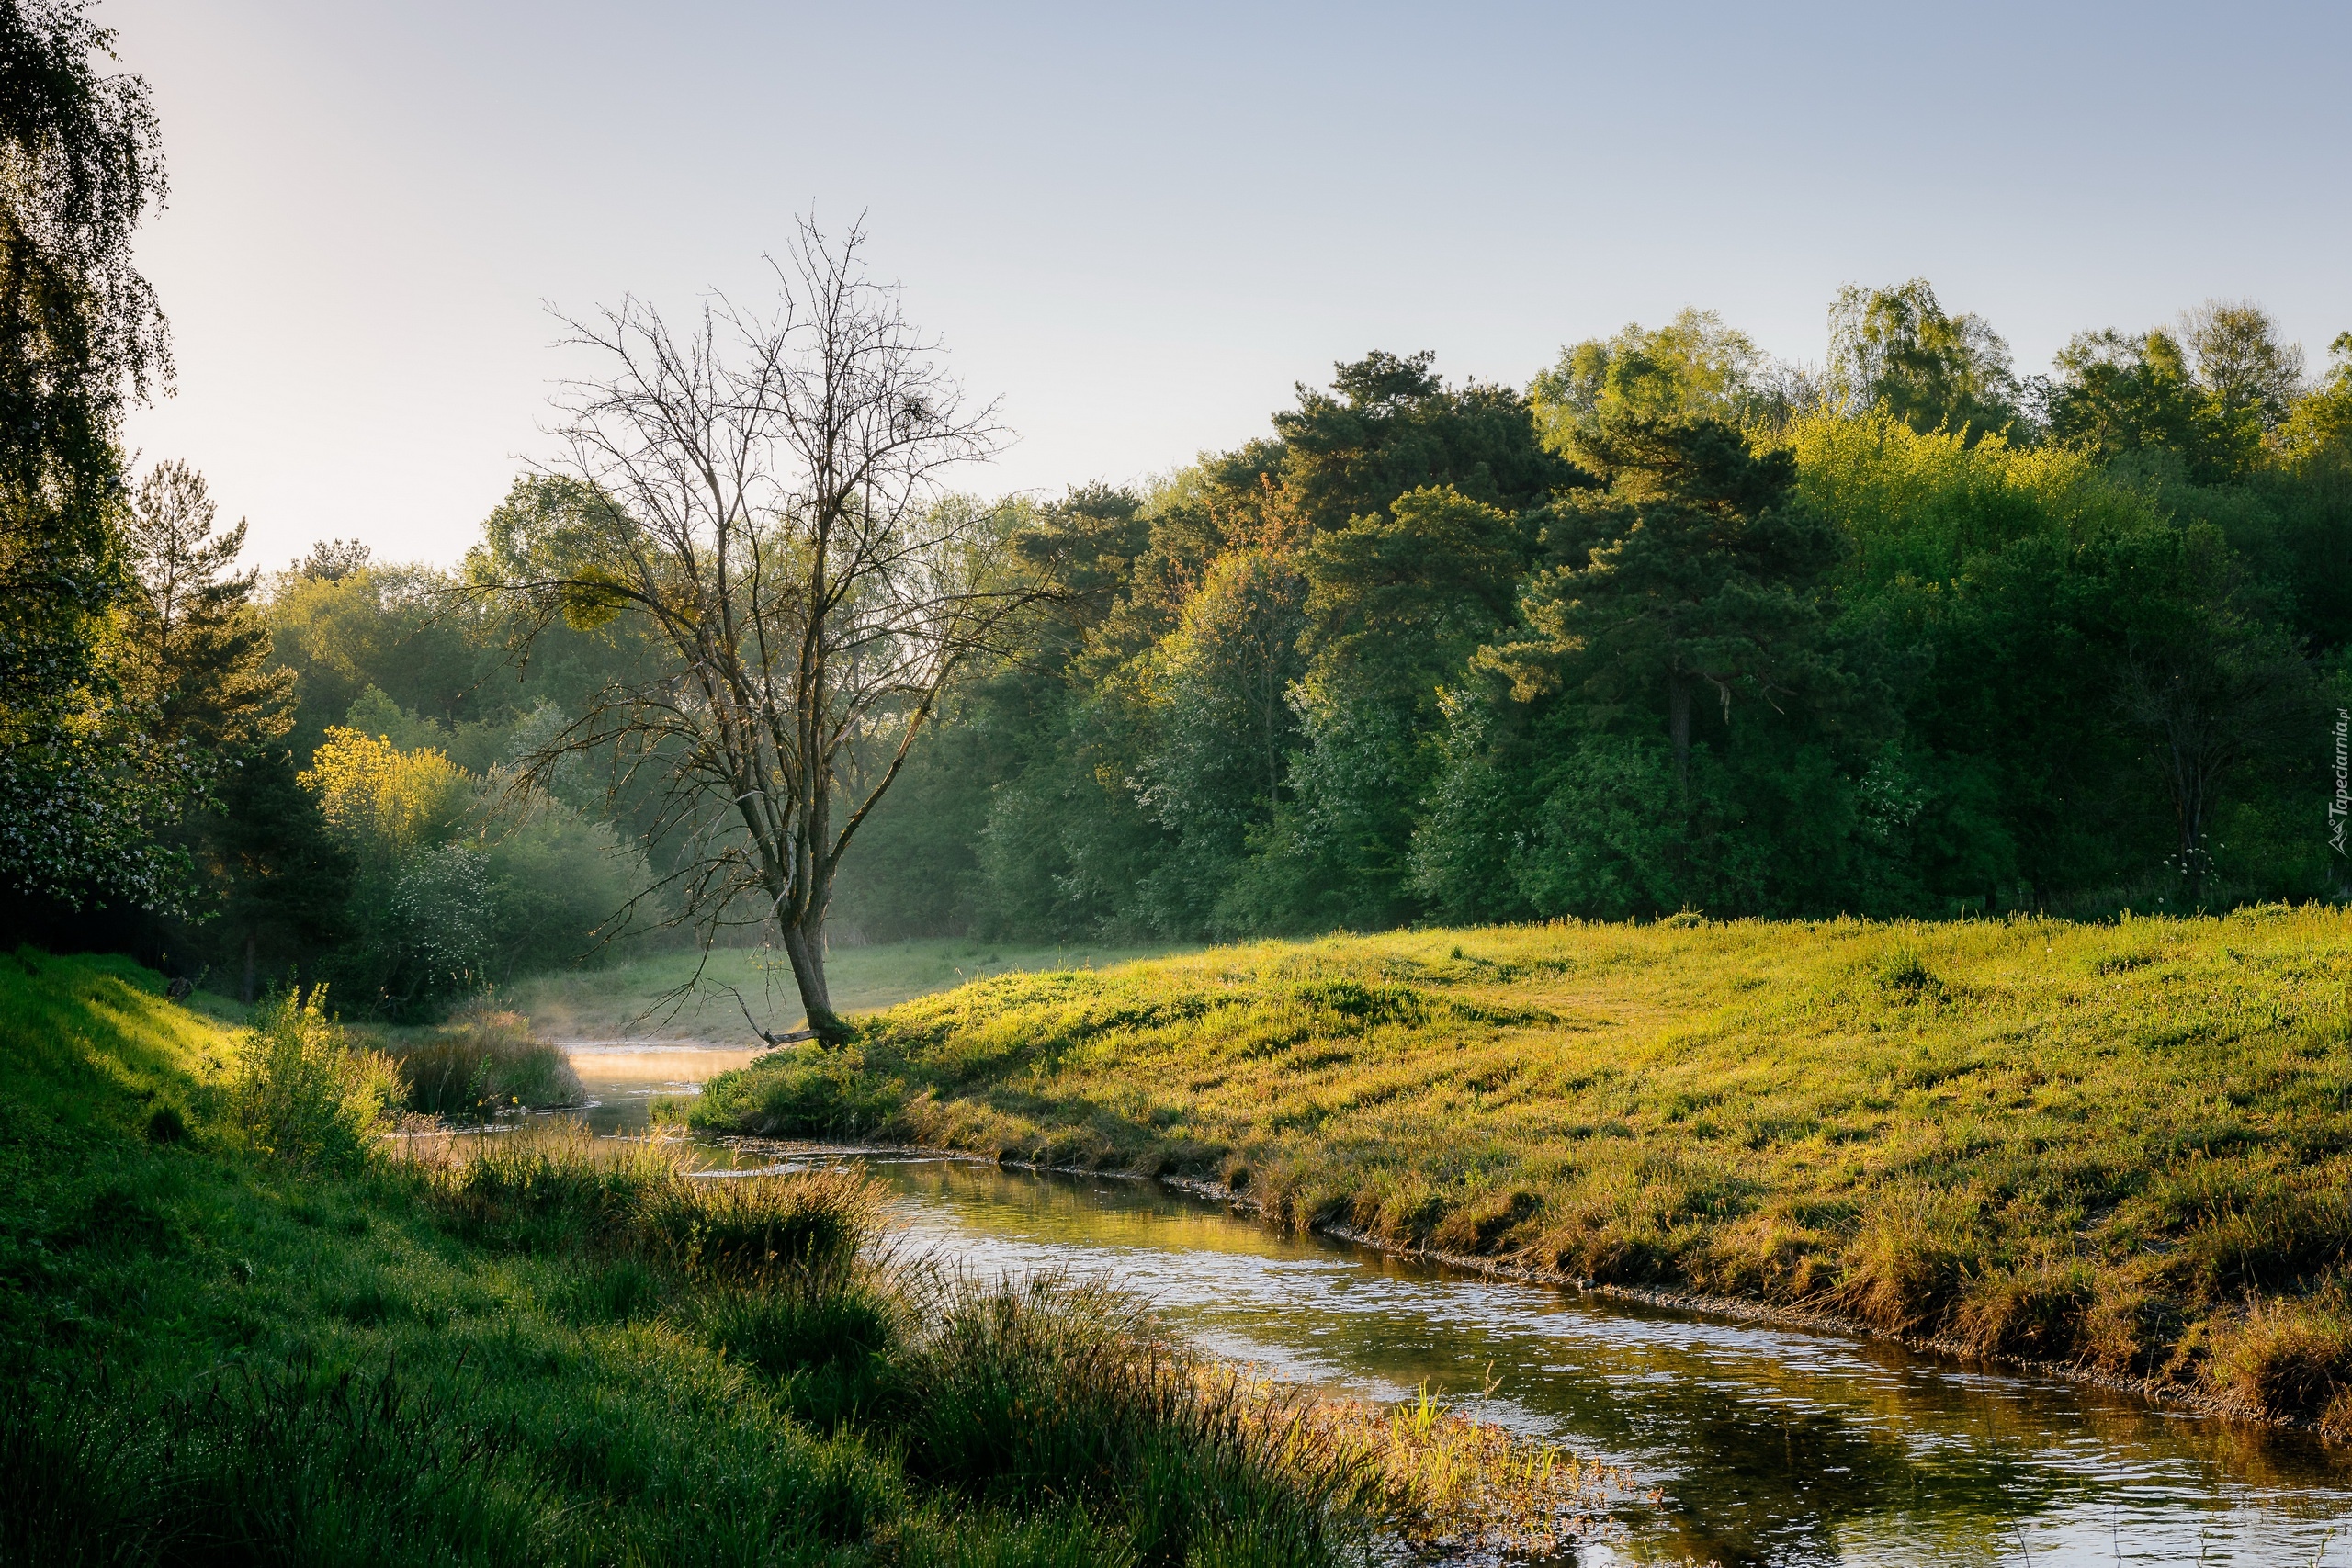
point(199, 647)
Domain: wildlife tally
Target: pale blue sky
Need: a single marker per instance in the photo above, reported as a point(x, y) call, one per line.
point(1138, 227)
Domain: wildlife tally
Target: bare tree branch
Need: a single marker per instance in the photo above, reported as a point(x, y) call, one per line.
point(763, 497)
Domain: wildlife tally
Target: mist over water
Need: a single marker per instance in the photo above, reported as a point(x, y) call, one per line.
point(1769, 1446)
point(624, 1078)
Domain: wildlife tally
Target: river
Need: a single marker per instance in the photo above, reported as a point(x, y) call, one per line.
point(1770, 1446)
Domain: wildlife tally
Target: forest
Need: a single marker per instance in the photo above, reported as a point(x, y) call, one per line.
point(1673, 628)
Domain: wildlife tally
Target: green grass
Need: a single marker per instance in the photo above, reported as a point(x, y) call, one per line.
point(543, 1348)
point(482, 1061)
point(628, 1001)
point(2122, 1148)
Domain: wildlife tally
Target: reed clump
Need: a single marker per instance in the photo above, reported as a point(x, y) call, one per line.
point(1451, 1485)
point(484, 1061)
point(556, 1187)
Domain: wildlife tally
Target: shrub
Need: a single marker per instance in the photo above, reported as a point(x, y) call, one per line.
point(302, 1093)
point(484, 1061)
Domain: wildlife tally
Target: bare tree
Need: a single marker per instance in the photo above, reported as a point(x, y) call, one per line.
point(761, 496)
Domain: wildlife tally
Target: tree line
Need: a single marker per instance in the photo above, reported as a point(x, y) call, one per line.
point(1678, 628)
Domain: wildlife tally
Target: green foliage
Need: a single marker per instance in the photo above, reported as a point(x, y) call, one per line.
point(1896, 352)
point(382, 628)
point(1748, 646)
point(195, 646)
point(86, 785)
point(1394, 427)
point(1396, 603)
point(287, 881)
point(461, 881)
point(302, 1093)
point(1693, 567)
point(2116, 395)
point(1693, 367)
point(2216, 394)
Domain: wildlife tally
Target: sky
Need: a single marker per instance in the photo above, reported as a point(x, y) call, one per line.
point(1138, 228)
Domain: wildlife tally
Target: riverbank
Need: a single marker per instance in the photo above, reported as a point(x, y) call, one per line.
point(2123, 1150)
point(235, 1325)
point(647, 998)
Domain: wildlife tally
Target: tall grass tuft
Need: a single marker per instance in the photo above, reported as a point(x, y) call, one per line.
point(302, 1093)
point(2292, 1357)
point(556, 1186)
point(1452, 1486)
point(1042, 1388)
point(484, 1061)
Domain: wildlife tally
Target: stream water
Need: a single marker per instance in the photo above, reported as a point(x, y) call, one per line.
point(1770, 1446)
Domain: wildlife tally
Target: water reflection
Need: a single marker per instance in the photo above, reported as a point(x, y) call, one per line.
point(1769, 1445)
point(625, 1077)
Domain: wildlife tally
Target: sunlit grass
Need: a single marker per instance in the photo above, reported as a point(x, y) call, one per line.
point(2085, 1144)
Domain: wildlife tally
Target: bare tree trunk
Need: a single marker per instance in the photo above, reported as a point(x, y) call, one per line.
point(804, 944)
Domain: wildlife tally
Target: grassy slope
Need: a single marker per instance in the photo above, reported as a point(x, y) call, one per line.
point(173, 1265)
point(625, 1000)
point(2127, 1147)
point(274, 1367)
point(540, 1348)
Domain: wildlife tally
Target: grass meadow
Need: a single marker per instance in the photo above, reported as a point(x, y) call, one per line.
point(2123, 1148)
point(239, 1324)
